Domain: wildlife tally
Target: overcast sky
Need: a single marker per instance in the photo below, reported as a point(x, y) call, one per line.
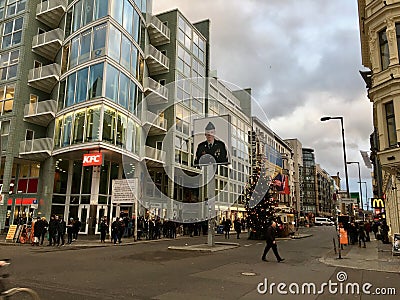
point(302, 61)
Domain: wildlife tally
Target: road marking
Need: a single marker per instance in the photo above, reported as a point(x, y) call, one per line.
point(249, 274)
point(248, 245)
point(259, 243)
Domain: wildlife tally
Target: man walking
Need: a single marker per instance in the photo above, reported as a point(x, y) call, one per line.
point(271, 243)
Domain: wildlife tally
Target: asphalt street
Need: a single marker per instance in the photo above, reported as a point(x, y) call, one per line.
point(151, 271)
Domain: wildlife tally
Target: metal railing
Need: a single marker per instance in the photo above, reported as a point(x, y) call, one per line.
point(156, 87)
point(157, 55)
point(48, 106)
point(156, 154)
point(36, 145)
point(156, 22)
point(155, 119)
point(50, 4)
point(49, 36)
point(44, 71)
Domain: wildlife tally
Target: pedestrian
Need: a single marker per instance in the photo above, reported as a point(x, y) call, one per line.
point(76, 228)
point(45, 225)
point(53, 224)
point(114, 231)
point(271, 243)
point(238, 227)
point(70, 230)
point(37, 231)
point(385, 233)
point(361, 235)
point(227, 227)
point(367, 227)
point(375, 227)
point(61, 226)
point(103, 230)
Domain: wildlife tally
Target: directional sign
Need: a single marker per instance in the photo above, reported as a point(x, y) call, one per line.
point(124, 190)
point(348, 200)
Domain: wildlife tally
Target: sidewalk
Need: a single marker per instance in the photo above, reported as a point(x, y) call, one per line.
point(376, 257)
point(85, 242)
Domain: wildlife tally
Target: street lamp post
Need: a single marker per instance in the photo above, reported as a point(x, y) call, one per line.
point(359, 178)
point(323, 119)
point(344, 150)
point(366, 195)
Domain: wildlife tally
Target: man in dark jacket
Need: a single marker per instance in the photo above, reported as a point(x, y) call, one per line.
point(53, 224)
point(61, 227)
point(271, 243)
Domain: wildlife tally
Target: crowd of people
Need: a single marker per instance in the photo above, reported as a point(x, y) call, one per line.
point(55, 229)
point(359, 232)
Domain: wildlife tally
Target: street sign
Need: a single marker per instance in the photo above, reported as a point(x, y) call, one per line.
point(124, 190)
point(348, 200)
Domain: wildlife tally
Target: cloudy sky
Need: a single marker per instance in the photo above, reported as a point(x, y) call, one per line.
point(302, 61)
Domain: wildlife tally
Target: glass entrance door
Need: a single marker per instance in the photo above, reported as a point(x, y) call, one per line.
point(83, 215)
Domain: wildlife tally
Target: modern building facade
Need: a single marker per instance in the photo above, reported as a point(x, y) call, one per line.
point(273, 156)
point(109, 91)
point(296, 145)
point(379, 31)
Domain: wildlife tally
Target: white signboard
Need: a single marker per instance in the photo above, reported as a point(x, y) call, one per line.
point(124, 190)
point(348, 200)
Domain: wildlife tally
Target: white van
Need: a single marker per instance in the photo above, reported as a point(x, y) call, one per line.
point(323, 221)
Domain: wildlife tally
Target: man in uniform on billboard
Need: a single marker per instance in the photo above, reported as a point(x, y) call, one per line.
point(211, 150)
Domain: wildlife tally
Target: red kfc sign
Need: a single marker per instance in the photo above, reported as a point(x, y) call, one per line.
point(93, 159)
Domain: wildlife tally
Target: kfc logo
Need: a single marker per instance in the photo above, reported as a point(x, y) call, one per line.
point(93, 159)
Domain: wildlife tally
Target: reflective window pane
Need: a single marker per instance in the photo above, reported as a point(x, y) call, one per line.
point(81, 85)
point(112, 83)
point(96, 81)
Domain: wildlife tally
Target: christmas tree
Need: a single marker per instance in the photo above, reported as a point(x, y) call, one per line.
point(260, 202)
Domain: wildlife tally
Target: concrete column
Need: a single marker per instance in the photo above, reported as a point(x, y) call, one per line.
point(94, 198)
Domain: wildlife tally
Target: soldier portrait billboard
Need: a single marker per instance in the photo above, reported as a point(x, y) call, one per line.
point(211, 141)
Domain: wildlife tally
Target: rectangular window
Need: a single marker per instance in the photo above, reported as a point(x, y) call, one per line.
point(391, 124)
point(6, 99)
point(93, 124)
point(12, 33)
point(4, 131)
point(8, 65)
point(384, 49)
point(95, 81)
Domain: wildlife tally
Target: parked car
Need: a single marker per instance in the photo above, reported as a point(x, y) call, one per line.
point(323, 221)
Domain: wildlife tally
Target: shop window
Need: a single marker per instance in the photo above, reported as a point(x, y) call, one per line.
point(76, 177)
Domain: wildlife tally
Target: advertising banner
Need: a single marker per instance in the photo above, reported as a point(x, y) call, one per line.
point(211, 141)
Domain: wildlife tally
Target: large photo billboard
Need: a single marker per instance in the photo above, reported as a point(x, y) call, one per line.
point(211, 141)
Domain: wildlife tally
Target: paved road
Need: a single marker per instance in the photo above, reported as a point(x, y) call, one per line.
point(151, 271)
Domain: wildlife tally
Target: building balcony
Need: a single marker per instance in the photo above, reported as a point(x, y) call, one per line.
point(48, 44)
point(155, 92)
point(157, 62)
point(40, 113)
point(159, 33)
point(157, 125)
point(36, 149)
point(50, 12)
point(44, 78)
point(154, 157)
point(390, 159)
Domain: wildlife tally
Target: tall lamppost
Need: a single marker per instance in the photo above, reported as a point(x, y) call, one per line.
point(323, 119)
point(344, 150)
point(366, 195)
point(359, 180)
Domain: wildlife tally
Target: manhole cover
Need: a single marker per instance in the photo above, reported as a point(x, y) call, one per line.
point(249, 274)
